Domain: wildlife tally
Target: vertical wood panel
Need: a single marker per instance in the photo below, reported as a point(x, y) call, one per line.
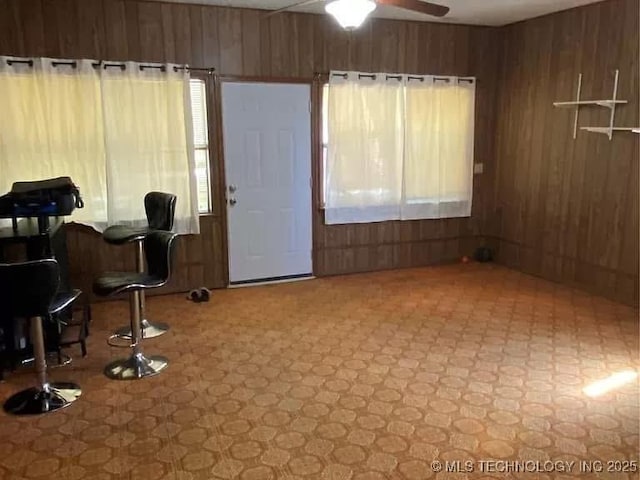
point(91, 34)
point(412, 48)
point(387, 46)
point(32, 26)
point(115, 30)
point(197, 36)
point(230, 37)
point(336, 46)
point(151, 32)
point(210, 37)
point(168, 35)
point(67, 20)
point(319, 44)
point(181, 32)
point(306, 31)
point(431, 44)
point(252, 22)
point(51, 27)
point(281, 45)
point(7, 24)
point(537, 181)
point(361, 48)
point(462, 47)
point(133, 31)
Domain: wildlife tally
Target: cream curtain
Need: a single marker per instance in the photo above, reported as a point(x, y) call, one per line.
point(364, 158)
point(52, 125)
point(438, 151)
point(117, 132)
point(148, 133)
point(398, 147)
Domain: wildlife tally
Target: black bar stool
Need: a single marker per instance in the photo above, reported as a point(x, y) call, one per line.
point(160, 209)
point(158, 248)
point(28, 290)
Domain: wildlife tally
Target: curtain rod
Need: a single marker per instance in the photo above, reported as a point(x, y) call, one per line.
point(320, 75)
point(109, 64)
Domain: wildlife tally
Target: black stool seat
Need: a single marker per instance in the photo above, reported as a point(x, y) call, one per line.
point(121, 234)
point(160, 209)
point(112, 283)
point(63, 300)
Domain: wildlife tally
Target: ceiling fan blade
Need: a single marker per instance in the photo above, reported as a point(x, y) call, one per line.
point(417, 6)
point(289, 7)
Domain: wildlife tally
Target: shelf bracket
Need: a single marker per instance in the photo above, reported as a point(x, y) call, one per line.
point(613, 104)
point(575, 117)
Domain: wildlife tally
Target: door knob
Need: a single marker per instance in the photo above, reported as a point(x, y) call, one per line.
point(232, 201)
point(232, 188)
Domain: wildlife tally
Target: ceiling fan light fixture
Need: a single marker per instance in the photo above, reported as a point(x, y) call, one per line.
point(350, 14)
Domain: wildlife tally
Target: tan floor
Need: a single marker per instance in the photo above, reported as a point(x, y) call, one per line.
point(366, 376)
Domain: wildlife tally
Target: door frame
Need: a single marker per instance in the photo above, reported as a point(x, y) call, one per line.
point(221, 195)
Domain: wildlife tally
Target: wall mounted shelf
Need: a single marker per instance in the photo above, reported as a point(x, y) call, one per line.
point(607, 103)
point(607, 131)
point(581, 103)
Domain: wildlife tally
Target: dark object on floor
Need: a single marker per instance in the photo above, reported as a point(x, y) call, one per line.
point(202, 294)
point(483, 254)
point(28, 290)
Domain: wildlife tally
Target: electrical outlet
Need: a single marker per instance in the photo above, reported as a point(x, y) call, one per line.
point(478, 168)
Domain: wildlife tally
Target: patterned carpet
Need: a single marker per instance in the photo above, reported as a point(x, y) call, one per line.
point(373, 376)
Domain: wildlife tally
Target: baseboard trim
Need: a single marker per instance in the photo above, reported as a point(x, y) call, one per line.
point(271, 280)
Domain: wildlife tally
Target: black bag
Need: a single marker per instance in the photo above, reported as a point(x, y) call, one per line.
point(483, 254)
point(59, 195)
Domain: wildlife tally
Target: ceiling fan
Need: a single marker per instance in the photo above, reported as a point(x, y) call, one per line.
point(351, 14)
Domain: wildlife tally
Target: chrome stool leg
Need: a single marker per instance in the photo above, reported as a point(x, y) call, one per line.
point(46, 397)
point(149, 329)
point(137, 365)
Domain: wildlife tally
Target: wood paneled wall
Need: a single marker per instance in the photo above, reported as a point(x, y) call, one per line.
point(245, 42)
point(567, 209)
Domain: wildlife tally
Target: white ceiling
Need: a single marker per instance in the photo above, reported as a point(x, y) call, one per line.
point(472, 12)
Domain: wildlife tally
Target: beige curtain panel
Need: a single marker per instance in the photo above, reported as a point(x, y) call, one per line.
point(117, 132)
point(399, 147)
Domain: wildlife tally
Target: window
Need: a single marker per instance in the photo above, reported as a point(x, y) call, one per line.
point(397, 147)
point(201, 143)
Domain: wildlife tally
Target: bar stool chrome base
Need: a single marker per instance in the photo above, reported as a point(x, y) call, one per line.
point(35, 400)
point(149, 330)
point(135, 367)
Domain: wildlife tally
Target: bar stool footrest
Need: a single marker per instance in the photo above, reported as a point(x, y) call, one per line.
point(53, 359)
point(149, 330)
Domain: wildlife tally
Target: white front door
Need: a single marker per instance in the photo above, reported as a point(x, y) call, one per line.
point(267, 151)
